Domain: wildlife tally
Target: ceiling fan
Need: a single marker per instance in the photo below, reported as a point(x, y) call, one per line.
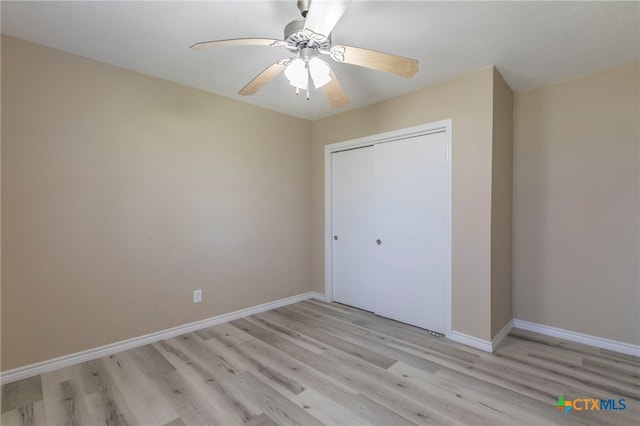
point(309, 37)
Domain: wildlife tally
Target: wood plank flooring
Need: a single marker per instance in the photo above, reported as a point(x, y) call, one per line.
point(316, 363)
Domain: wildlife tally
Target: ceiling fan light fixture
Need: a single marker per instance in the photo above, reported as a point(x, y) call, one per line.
point(319, 71)
point(297, 74)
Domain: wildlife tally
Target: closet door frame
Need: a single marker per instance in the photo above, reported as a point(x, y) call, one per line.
point(435, 127)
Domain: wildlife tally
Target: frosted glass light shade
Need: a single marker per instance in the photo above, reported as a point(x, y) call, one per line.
point(319, 71)
point(297, 74)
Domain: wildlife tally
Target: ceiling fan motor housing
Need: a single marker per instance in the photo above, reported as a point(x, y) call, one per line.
point(294, 36)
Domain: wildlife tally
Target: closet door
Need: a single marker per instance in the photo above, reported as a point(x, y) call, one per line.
point(352, 224)
point(410, 222)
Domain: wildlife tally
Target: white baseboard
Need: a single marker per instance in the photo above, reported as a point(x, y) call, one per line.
point(495, 342)
point(483, 345)
point(598, 342)
point(99, 352)
point(319, 296)
point(474, 342)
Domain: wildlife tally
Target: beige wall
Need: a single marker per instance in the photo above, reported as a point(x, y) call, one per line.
point(122, 193)
point(501, 204)
point(576, 205)
point(468, 101)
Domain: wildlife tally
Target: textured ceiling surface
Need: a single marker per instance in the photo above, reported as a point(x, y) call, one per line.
point(531, 43)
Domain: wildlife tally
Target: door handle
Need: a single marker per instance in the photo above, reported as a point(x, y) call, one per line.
point(378, 242)
point(335, 237)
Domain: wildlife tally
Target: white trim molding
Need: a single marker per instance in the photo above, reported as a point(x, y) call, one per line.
point(483, 345)
point(586, 339)
point(319, 296)
point(495, 342)
point(474, 342)
point(99, 352)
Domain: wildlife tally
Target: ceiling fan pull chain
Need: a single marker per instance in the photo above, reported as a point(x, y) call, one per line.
point(297, 91)
point(308, 97)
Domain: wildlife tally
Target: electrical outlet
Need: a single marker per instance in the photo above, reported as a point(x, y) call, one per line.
point(197, 296)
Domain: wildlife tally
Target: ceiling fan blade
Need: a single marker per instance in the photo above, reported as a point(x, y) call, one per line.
point(333, 92)
point(404, 67)
point(238, 42)
point(264, 77)
point(322, 16)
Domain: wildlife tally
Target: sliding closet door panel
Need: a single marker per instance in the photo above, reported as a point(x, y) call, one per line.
point(410, 222)
point(352, 224)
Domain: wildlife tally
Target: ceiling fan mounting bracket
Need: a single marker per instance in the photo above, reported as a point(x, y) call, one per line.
point(296, 38)
point(303, 5)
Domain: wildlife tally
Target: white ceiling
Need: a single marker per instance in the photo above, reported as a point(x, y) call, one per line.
point(531, 43)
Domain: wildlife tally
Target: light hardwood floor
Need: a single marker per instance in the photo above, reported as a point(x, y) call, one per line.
point(316, 363)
